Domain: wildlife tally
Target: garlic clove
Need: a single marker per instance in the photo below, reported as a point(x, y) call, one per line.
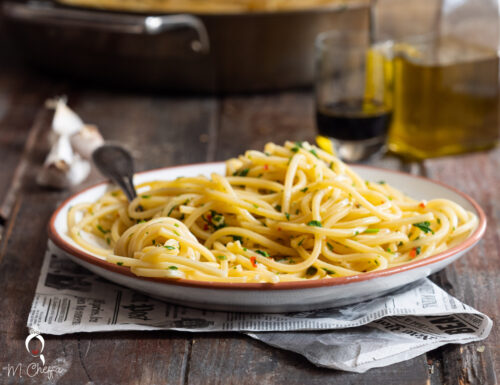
point(65, 121)
point(62, 168)
point(86, 140)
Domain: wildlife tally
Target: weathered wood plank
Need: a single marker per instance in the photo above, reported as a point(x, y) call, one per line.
point(475, 278)
point(239, 360)
point(21, 98)
point(252, 121)
point(160, 131)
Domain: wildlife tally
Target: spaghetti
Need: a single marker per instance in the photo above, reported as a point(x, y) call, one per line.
point(292, 212)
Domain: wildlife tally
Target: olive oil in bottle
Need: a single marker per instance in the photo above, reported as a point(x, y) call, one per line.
point(446, 99)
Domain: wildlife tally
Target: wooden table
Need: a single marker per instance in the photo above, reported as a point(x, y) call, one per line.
point(164, 131)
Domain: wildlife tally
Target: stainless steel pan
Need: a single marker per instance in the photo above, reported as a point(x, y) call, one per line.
point(201, 53)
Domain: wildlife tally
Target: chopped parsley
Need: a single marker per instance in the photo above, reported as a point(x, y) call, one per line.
point(263, 253)
point(298, 144)
point(172, 209)
point(119, 263)
point(222, 257)
point(243, 172)
point(173, 268)
point(328, 271)
point(278, 207)
point(315, 224)
point(418, 250)
point(154, 241)
point(381, 182)
point(145, 196)
point(301, 241)
point(255, 206)
point(313, 151)
point(108, 241)
point(311, 270)
point(217, 220)
point(295, 149)
point(169, 247)
point(330, 246)
point(371, 231)
point(287, 216)
point(237, 238)
point(424, 226)
point(100, 228)
point(176, 233)
point(439, 221)
point(305, 189)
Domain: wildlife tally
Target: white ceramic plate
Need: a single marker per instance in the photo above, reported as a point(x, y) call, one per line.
point(265, 297)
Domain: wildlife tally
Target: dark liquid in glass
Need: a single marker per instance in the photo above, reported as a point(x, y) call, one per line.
point(353, 120)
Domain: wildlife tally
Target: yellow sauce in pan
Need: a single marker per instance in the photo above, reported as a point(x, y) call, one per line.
point(201, 6)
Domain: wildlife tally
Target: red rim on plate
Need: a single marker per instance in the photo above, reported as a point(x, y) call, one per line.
point(89, 258)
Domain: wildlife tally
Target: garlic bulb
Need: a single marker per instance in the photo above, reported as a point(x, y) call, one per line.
point(73, 142)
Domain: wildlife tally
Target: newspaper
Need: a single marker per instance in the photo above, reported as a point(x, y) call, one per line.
point(375, 333)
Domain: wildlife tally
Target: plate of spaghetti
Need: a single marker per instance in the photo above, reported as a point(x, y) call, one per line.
point(290, 228)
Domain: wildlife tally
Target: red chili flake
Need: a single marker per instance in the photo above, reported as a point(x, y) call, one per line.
point(422, 205)
point(279, 228)
point(413, 253)
point(254, 261)
point(205, 227)
point(266, 167)
point(209, 217)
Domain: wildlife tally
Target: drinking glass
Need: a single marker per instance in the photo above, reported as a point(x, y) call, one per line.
point(353, 95)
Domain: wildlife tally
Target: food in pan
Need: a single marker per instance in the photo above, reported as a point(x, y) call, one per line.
point(292, 212)
point(201, 6)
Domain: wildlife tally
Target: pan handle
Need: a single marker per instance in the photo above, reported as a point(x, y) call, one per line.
point(40, 12)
